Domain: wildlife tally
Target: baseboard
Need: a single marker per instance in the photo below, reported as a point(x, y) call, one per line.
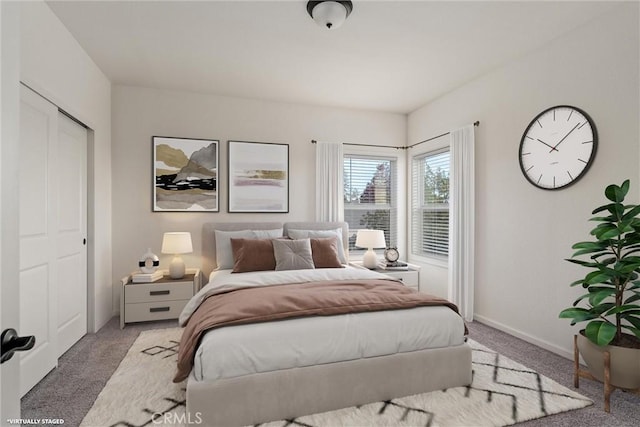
point(566, 353)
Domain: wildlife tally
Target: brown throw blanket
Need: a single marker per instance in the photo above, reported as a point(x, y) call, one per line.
point(322, 298)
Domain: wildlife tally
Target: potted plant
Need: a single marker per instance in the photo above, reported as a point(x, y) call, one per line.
point(612, 311)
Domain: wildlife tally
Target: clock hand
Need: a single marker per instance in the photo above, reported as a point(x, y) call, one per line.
point(555, 146)
point(550, 146)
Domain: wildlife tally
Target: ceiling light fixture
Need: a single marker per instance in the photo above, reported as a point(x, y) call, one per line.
point(329, 13)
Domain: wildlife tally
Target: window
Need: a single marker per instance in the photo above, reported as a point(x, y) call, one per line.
point(430, 204)
point(370, 196)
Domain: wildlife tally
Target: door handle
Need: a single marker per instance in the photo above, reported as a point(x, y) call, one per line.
point(11, 343)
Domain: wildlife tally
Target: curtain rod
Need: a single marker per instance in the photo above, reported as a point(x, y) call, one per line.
point(313, 141)
point(476, 123)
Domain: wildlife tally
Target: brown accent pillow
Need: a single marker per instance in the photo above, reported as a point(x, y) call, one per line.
point(252, 255)
point(324, 251)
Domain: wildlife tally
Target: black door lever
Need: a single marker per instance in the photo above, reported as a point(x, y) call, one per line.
point(11, 343)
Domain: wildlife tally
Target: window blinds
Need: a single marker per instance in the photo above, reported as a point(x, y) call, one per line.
point(370, 200)
point(430, 204)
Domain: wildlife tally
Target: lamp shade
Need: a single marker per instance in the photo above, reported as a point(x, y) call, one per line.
point(177, 243)
point(370, 239)
point(329, 13)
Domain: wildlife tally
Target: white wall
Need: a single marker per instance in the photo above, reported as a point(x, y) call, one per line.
point(523, 234)
point(56, 66)
point(140, 113)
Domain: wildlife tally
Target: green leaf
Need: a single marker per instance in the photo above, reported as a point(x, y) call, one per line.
point(589, 245)
point(597, 297)
point(580, 298)
point(587, 251)
point(626, 266)
point(585, 263)
point(624, 188)
point(632, 213)
point(608, 234)
point(635, 321)
point(625, 227)
point(612, 193)
point(596, 277)
point(625, 308)
point(633, 285)
point(602, 308)
point(608, 261)
point(632, 298)
point(577, 314)
point(608, 207)
point(630, 313)
point(601, 228)
point(602, 218)
point(599, 332)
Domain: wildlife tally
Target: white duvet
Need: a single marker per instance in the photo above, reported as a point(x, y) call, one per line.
point(234, 351)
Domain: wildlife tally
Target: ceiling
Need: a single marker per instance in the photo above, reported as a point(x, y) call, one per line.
point(392, 56)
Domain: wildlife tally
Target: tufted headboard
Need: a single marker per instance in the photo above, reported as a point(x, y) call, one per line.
point(321, 226)
point(209, 236)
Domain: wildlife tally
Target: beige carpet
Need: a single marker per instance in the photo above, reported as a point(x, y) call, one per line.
point(503, 392)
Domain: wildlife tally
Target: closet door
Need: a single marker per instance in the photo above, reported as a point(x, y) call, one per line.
point(38, 246)
point(71, 253)
point(53, 225)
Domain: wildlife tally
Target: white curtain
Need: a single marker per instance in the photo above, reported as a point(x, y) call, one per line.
point(461, 220)
point(329, 182)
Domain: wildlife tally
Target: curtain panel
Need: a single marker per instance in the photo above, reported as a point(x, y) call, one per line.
point(329, 182)
point(462, 220)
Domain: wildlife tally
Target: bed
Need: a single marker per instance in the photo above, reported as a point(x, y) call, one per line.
point(282, 368)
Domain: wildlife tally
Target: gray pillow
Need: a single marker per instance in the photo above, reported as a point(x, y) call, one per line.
point(224, 253)
point(301, 234)
point(293, 254)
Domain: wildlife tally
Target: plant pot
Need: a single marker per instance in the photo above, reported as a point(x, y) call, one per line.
point(625, 362)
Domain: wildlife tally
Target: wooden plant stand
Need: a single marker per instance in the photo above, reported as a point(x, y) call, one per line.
point(608, 387)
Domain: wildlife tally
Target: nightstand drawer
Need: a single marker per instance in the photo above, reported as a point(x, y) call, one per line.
point(159, 310)
point(151, 292)
point(409, 278)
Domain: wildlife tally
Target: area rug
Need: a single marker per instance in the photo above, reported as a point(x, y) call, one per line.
point(503, 392)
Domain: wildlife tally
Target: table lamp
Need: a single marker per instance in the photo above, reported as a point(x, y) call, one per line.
point(370, 239)
point(177, 243)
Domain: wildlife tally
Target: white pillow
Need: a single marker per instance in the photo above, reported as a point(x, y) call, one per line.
point(303, 234)
point(293, 254)
point(224, 254)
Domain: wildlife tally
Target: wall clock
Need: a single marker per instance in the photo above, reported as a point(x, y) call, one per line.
point(558, 147)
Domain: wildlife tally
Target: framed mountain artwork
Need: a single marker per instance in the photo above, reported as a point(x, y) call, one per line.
point(185, 175)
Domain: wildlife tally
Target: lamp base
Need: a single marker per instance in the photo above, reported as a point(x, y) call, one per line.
point(370, 260)
point(177, 268)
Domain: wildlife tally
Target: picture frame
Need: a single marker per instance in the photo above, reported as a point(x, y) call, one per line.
point(185, 174)
point(258, 177)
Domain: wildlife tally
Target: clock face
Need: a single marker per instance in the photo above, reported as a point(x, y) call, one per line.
point(558, 147)
point(391, 254)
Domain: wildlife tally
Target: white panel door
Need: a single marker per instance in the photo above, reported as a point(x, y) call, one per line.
point(9, 142)
point(38, 225)
point(71, 256)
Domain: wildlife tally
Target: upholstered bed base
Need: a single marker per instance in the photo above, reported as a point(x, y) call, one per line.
point(290, 393)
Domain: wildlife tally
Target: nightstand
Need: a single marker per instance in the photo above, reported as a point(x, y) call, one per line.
point(410, 277)
point(159, 300)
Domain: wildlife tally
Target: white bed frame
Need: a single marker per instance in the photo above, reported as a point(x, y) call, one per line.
point(290, 393)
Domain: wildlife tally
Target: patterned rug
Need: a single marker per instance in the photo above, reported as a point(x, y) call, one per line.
point(503, 392)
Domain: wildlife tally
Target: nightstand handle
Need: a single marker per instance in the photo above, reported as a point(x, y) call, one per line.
point(157, 309)
point(154, 293)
